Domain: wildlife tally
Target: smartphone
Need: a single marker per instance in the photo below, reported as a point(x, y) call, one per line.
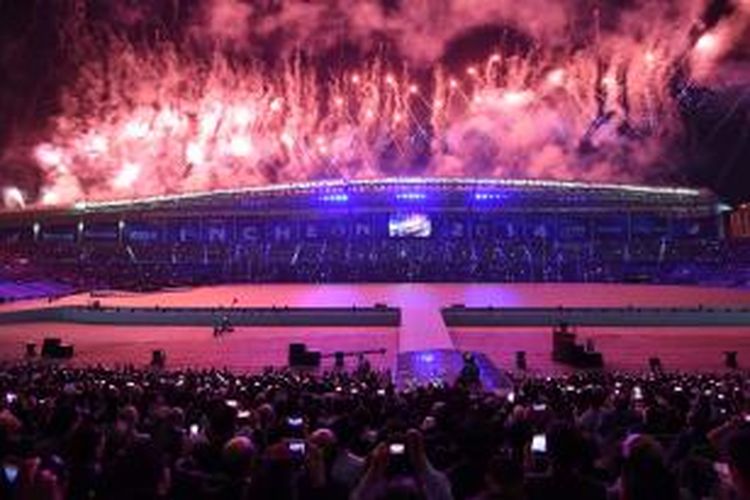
point(194, 429)
point(539, 407)
point(398, 463)
point(539, 443)
point(11, 473)
point(511, 397)
point(747, 417)
point(721, 469)
point(297, 448)
point(294, 421)
point(381, 392)
point(397, 449)
point(10, 398)
point(232, 403)
point(243, 414)
point(637, 393)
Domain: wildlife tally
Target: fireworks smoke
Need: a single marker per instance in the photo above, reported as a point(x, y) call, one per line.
point(181, 96)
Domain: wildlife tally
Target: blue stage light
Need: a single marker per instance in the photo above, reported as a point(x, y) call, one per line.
point(487, 196)
point(335, 198)
point(427, 357)
point(411, 196)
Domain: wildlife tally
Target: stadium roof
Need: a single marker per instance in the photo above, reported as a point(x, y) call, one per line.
point(396, 182)
point(389, 192)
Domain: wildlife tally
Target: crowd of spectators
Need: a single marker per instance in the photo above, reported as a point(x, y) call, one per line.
point(128, 266)
point(127, 433)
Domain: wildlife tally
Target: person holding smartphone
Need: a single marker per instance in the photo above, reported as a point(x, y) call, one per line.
point(9, 480)
point(400, 466)
point(739, 462)
point(562, 448)
point(292, 468)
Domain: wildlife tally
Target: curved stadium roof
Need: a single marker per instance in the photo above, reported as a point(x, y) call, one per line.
point(394, 192)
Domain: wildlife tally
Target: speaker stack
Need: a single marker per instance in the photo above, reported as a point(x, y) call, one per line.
point(299, 356)
point(158, 358)
point(521, 360)
point(730, 360)
point(53, 348)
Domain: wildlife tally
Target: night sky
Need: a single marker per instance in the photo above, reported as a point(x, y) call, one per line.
point(36, 63)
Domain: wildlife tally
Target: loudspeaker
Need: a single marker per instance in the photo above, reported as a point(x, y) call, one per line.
point(300, 356)
point(158, 358)
point(312, 359)
point(30, 350)
point(65, 351)
point(521, 360)
point(655, 364)
point(338, 359)
point(590, 347)
point(297, 353)
point(730, 360)
point(297, 348)
point(50, 347)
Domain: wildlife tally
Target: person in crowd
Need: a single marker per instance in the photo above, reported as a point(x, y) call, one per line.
point(400, 469)
point(566, 448)
point(644, 473)
point(101, 433)
point(739, 463)
point(346, 467)
point(85, 454)
point(504, 478)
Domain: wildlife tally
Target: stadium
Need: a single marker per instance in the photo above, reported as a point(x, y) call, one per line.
point(375, 250)
point(389, 230)
point(625, 265)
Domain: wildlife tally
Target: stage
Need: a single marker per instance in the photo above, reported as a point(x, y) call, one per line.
point(422, 327)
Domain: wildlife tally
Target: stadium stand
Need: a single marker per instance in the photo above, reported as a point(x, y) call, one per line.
point(382, 231)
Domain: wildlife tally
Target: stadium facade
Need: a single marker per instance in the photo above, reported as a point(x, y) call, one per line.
point(385, 230)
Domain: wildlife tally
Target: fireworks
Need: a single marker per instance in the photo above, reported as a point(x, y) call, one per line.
point(13, 198)
point(707, 43)
point(190, 130)
point(137, 122)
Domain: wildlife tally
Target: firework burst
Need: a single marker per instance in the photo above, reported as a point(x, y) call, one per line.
point(164, 117)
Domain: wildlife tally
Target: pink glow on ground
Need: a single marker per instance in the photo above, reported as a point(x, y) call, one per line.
point(252, 348)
